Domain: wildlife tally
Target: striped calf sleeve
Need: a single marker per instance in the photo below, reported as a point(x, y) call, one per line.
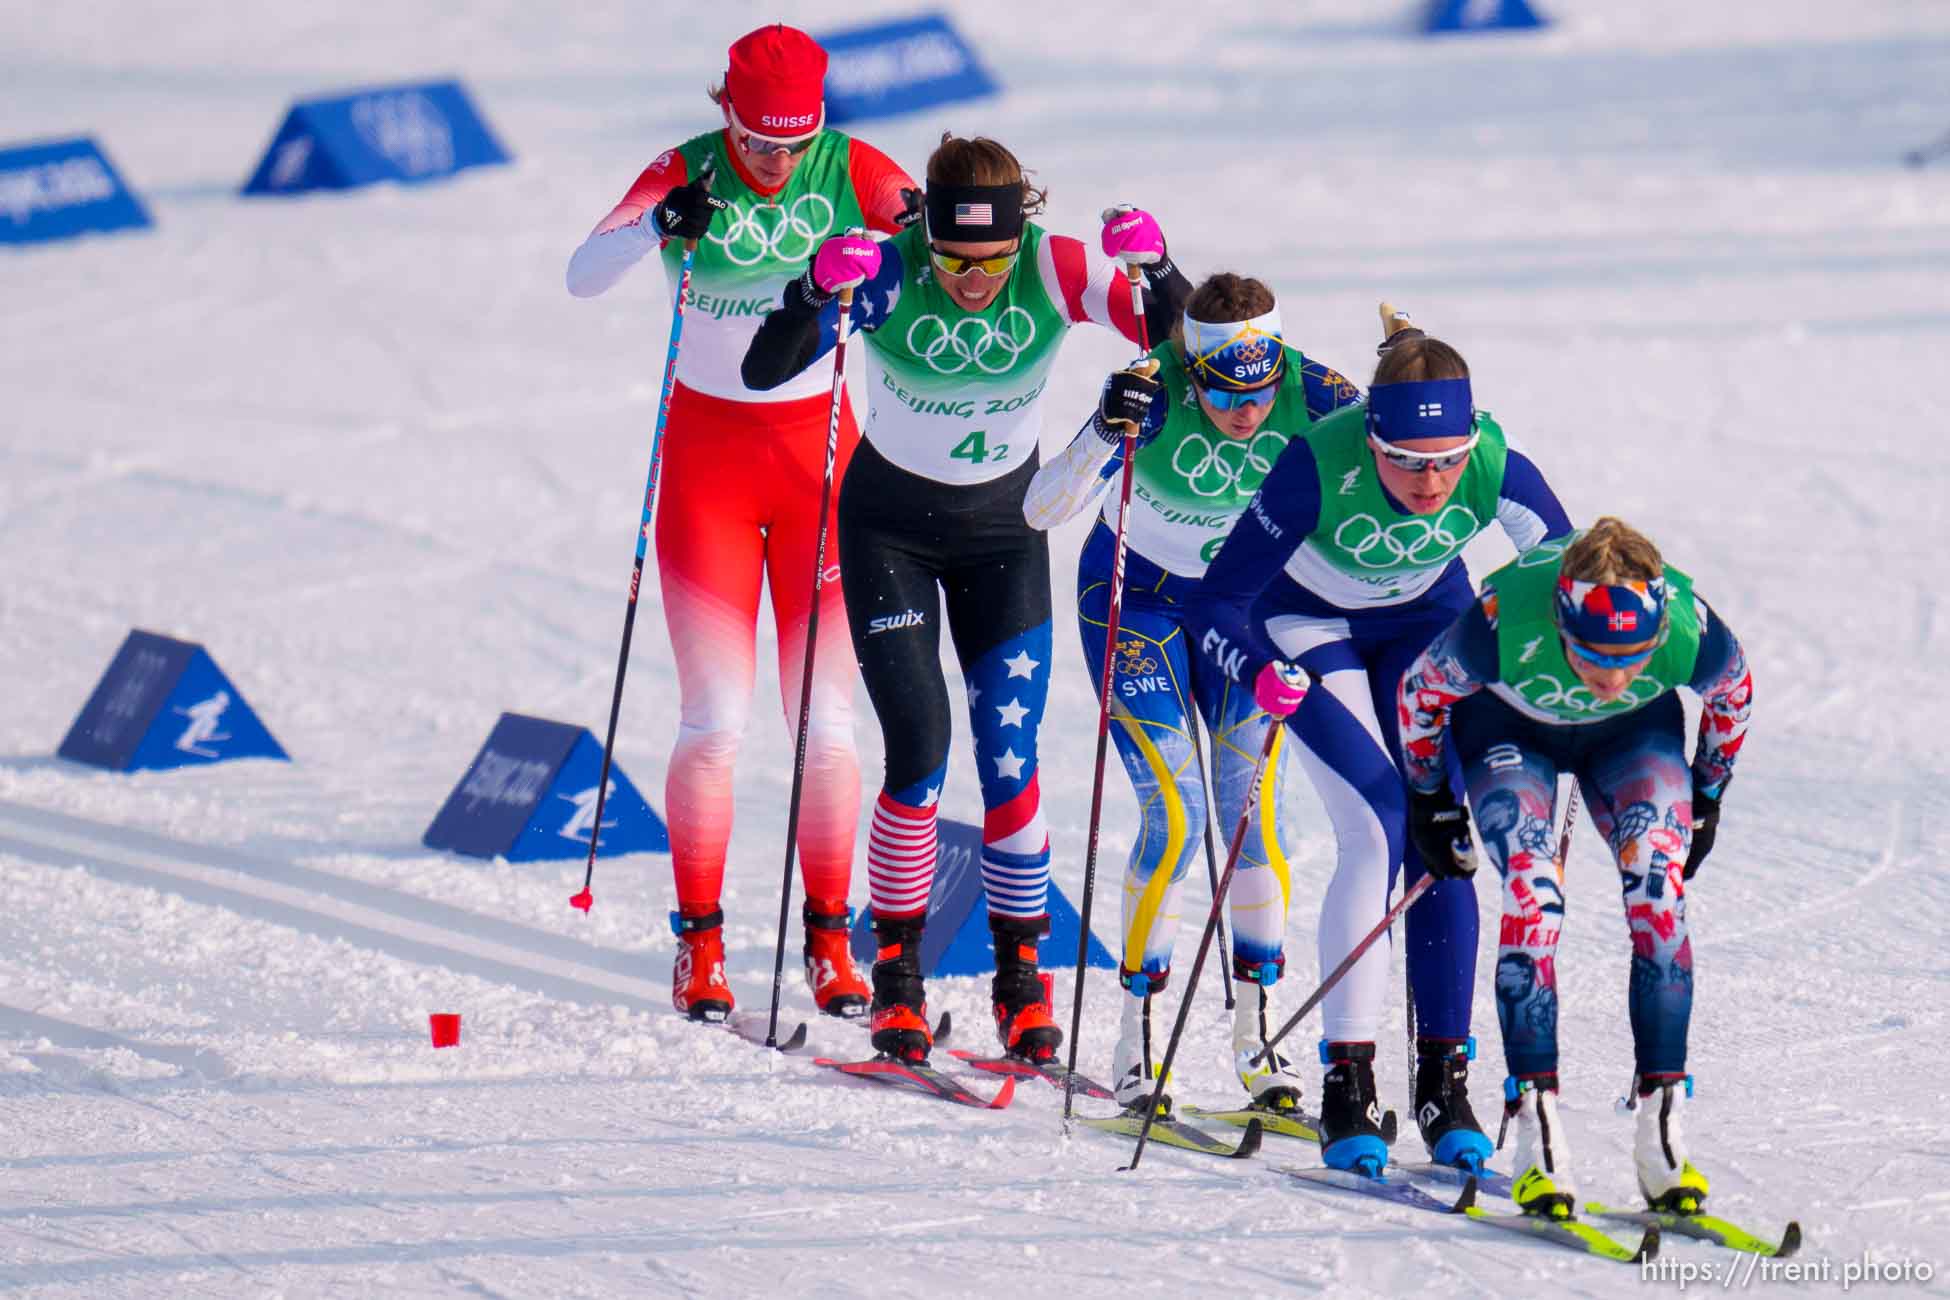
point(900, 858)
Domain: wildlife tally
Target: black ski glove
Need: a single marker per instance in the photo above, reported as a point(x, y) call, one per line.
point(1126, 400)
point(1706, 824)
point(1439, 827)
point(686, 211)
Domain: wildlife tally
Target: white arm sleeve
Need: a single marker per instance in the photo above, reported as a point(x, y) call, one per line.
point(1071, 482)
point(604, 257)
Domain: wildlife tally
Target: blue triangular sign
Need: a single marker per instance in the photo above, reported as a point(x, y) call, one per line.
point(530, 795)
point(1480, 16)
point(164, 703)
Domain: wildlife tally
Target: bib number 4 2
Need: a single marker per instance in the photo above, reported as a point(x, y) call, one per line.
point(977, 450)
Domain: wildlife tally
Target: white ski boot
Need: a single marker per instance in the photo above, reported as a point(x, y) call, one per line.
point(1273, 1084)
point(1667, 1178)
point(1545, 1186)
point(1133, 1073)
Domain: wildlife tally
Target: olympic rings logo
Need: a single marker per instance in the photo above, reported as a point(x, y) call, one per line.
point(992, 349)
point(1418, 542)
point(786, 234)
point(1214, 469)
point(1136, 662)
point(1546, 692)
point(1254, 349)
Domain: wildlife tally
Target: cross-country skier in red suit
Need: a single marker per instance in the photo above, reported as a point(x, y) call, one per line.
point(740, 494)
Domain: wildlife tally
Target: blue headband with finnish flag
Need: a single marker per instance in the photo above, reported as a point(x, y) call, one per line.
point(1235, 355)
point(1421, 408)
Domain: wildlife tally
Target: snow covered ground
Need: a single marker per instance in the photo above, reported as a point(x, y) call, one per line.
point(368, 450)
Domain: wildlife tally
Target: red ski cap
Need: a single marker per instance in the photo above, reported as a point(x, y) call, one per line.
point(777, 81)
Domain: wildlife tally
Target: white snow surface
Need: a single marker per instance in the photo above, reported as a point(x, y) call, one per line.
point(368, 450)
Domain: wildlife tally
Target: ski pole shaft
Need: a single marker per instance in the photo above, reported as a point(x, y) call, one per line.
point(812, 644)
point(1205, 940)
point(586, 898)
point(1334, 976)
point(1129, 447)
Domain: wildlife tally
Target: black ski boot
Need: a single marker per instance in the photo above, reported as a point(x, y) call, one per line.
point(1442, 1110)
point(900, 1008)
point(1022, 1012)
point(1350, 1112)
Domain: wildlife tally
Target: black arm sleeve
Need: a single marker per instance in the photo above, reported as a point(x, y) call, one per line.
point(788, 341)
point(1165, 291)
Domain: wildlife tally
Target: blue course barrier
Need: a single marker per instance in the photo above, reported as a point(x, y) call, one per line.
point(899, 67)
point(957, 939)
point(390, 133)
point(530, 795)
point(61, 189)
point(1480, 16)
point(164, 703)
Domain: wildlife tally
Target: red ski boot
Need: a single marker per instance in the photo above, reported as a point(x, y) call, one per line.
point(900, 1008)
point(836, 985)
point(1022, 993)
point(697, 983)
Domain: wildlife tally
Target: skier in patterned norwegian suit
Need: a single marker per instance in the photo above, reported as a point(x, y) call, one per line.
point(1345, 564)
point(964, 314)
point(1570, 662)
point(1214, 407)
point(740, 493)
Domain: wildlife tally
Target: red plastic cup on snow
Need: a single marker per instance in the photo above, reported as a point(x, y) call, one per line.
point(446, 1028)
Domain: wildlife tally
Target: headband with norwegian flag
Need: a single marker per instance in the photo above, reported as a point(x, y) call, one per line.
point(974, 214)
point(1596, 614)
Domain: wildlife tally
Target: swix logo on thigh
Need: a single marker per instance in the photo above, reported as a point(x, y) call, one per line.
point(896, 622)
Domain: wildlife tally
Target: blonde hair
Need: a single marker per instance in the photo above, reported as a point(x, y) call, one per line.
point(1612, 552)
point(982, 161)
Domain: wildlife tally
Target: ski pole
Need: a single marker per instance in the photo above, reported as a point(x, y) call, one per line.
point(1211, 854)
point(1129, 447)
point(1211, 927)
point(586, 899)
point(1406, 901)
point(812, 643)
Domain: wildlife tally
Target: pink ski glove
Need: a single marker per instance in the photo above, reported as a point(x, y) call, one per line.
point(845, 262)
point(1132, 236)
point(1279, 689)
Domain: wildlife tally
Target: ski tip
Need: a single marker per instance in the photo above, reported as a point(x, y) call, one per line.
point(1790, 1240)
point(1249, 1142)
point(1467, 1199)
point(1006, 1094)
point(1389, 1128)
point(796, 1040)
point(944, 1027)
point(1648, 1246)
point(583, 901)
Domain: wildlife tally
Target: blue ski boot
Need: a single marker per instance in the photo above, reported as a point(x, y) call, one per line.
point(1442, 1110)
